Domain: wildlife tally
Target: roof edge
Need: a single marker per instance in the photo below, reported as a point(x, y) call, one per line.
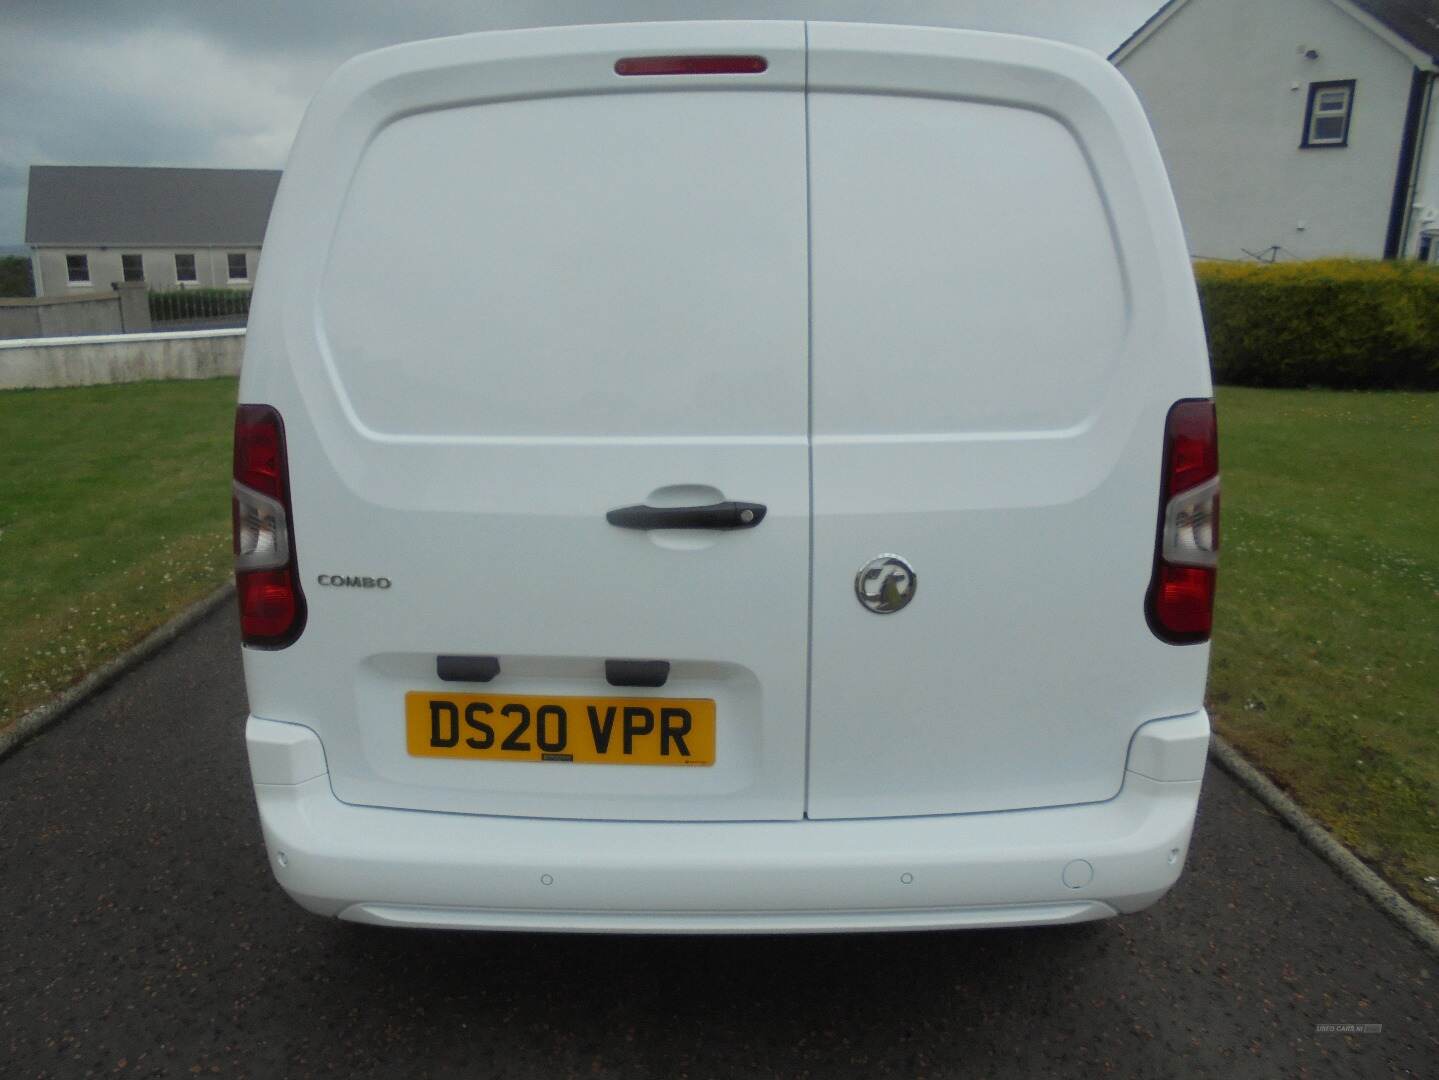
point(147, 245)
point(160, 168)
point(1146, 29)
point(1376, 26)
point(1420, 58)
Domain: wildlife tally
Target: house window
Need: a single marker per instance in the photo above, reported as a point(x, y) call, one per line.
point(239, 266)
point(1428, 248)
point(185, 268)
point(1326, 120)
point(77, 269)
point(132, 267)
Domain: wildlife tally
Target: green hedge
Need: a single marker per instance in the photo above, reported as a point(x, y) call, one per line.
point(168, 305)
point(1341, 323)
point(15, 278)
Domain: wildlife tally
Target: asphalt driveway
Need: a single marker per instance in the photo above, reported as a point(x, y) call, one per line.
point(143, 936)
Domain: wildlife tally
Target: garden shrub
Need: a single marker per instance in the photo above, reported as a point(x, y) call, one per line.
point(1341, 323)
point(197, 303)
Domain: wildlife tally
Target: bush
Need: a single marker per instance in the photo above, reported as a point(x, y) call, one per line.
point(169, 305)
point(15, 276)
point(1341, 323)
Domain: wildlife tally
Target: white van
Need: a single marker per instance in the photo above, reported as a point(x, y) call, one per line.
point(726, 476)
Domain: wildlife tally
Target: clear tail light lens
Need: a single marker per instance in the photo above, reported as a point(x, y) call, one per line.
point(267, 582)
point(1191, 526)
point(1180, 604)
point(262, 533)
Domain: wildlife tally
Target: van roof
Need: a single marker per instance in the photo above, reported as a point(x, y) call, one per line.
point(1099, 32)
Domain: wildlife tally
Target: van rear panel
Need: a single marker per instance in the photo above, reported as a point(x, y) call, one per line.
point(986, 404)
point(915, 292)
point(533, 310)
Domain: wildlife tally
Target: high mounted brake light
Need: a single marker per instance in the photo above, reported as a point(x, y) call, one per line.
point(267, 581)
point(691, 65)
point(1180, 604)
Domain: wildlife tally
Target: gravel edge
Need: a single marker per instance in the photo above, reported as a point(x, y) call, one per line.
point(1322, 842)
point(37, 720)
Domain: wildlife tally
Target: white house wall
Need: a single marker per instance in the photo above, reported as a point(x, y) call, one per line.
point(211, 267)
point(1226, 85)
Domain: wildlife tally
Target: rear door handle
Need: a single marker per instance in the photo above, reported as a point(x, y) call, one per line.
point(724, 515)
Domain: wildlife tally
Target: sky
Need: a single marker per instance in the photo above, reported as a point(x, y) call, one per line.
point(224, 84)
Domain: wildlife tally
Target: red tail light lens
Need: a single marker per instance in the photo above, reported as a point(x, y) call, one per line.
point(1180, 604)
point(268, 606)
point(260, 450)
point(267, 582)
point(691, 65)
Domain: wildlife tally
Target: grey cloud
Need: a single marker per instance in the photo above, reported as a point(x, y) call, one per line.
point(155, 82)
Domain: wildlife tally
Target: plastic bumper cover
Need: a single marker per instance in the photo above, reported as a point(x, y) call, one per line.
point(415, 868)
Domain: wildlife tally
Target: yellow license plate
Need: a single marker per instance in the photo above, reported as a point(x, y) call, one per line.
point(593, 730)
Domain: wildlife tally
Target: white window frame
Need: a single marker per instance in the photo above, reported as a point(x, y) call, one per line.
point(229, 277)
point(195, 267)
point(132, 255)
point(70, 281)
point(1321, 93)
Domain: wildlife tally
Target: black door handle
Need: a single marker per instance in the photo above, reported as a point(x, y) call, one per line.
point(725, 515)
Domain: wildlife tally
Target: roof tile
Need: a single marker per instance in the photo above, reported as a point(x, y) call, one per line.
point(111, 205)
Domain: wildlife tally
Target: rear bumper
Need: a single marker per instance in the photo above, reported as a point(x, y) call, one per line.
point(415, 868)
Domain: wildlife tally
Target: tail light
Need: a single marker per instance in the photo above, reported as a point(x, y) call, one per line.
point(267, 581)
point(1180, 605)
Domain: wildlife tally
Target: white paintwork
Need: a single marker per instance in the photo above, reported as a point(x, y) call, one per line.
point(283, 753)
point(639, 322)
point(1225, 84)
point(1174, 748)
point(929, 283)
point(988, 400)
point(397, 867)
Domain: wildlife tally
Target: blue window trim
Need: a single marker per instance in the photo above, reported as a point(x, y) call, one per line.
point(1314, 89)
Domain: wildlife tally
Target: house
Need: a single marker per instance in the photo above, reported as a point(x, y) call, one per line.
point(89, 227)
point(1296, 128)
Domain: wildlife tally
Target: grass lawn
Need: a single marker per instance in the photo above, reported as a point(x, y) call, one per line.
point(1326, 646)
point(114, 514)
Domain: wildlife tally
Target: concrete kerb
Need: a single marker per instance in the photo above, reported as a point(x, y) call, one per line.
point(37, 720)
point(1323, 843)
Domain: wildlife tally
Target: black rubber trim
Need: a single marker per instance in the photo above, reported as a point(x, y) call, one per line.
point(467, 668)
point(1404, 178)
point(637, 672)
point(724, 515)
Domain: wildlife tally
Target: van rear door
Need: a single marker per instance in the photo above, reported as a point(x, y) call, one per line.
point(1002, 315)
point(548, 290)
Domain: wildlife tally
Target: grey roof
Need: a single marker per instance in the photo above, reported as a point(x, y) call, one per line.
point(92, 205)
point(1416, 21)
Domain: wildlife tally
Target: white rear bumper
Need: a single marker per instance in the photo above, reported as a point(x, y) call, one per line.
point(414, 868)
